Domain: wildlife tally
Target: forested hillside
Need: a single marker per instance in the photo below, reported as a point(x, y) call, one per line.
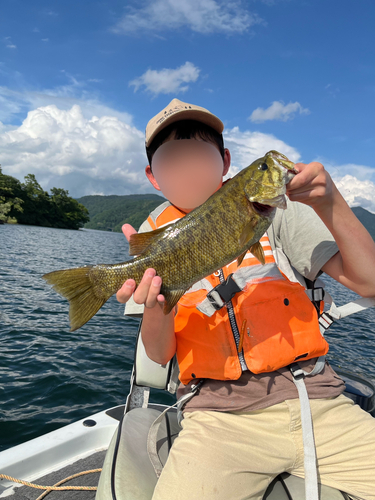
point(28, 203)
point(367, 219)
point(109, 213)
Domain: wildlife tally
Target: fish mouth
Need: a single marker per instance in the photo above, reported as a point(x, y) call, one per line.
point(263, 210)
point(267, 207)
point(282, 161)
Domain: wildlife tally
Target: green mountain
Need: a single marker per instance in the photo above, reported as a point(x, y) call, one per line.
point(367, 219)
point(109, 213)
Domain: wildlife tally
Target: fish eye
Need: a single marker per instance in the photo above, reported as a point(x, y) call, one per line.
point(263, 166)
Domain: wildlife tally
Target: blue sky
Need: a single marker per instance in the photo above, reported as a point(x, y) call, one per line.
point(80, 80)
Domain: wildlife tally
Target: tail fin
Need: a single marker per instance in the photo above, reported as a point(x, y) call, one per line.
point(76, 286)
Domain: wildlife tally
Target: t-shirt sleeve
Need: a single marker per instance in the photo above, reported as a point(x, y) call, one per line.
point(131, 308)
point(304, 238)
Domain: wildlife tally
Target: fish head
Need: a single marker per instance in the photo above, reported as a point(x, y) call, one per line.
point(266, 179)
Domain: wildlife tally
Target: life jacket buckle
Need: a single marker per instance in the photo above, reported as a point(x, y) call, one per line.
point(223, 293)
point(296, 371)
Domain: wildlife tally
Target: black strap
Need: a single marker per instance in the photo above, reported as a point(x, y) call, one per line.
point(226, 290)
point(317, 294)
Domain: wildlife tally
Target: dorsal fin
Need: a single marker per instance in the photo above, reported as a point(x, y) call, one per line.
point(140, 241)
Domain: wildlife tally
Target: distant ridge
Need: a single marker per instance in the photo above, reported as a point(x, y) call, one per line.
point(109, 213)
point(367, 219)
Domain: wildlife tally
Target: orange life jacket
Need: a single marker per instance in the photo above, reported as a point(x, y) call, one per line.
point(270, 324)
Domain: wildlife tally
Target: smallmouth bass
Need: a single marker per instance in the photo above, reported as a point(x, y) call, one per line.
point(222, 229)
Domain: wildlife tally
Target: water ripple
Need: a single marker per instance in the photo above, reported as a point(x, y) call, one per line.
point(50, 376)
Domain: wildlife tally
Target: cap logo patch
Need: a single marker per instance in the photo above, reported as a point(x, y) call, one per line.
point(170, 112)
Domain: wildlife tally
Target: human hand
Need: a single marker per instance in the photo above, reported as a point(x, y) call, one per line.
point(312, 186)
point(148, 290)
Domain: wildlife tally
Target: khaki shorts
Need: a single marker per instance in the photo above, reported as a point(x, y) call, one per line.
point(234, 456)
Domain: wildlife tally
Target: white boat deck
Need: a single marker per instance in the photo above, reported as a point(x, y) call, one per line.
point(48, 459)
point(94, 461)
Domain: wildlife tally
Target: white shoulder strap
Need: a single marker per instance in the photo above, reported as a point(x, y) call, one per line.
point(356, 306)
point(335, 313)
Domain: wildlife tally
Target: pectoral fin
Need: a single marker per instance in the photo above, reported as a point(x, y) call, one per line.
point(171, 299)
point(258, 252)
point(140, 241)
point(247, 232)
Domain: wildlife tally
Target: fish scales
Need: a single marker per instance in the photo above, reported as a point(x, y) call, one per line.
point(228, 224)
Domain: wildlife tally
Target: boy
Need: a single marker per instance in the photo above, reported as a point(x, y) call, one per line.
point(240, 432)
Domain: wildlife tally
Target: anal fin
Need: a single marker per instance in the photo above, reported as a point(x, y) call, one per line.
point(241, 258)
point(171, 299)
point(258, 252)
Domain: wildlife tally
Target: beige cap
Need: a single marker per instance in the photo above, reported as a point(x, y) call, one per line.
point(176, 111)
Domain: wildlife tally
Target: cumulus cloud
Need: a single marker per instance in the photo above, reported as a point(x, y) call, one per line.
point(202, 16)
point(167, 81)
point(105, 155)
point(247, 146)
point(65, 149)
point(278, 111)
point(361, 172)
point(16, 102)
point(357, 193)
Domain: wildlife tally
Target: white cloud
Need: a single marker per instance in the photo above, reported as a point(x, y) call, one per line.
point(355, 182)
point(65, 149)
point(14, 102)
point(357, 193)
point(8, 42)
point(167, 81)
point(278, 111)
point(202, 16)
point(245, 147)
point(361, 172)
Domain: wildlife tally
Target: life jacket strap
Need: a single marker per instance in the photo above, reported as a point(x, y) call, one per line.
point(315, 294)
point(328, 317)
point(235, 283)
point(223, 293)
point(153, 432)
point(310, 464)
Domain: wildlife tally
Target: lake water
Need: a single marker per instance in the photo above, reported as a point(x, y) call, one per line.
point(50, 377)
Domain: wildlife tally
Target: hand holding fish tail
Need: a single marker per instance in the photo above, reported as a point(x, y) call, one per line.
point(148, 290)
point(157, 328)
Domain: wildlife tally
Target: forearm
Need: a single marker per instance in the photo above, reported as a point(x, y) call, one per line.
point(158, 334)
point(355, 265)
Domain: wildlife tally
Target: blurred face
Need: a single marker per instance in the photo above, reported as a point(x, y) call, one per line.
point(187, 171)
